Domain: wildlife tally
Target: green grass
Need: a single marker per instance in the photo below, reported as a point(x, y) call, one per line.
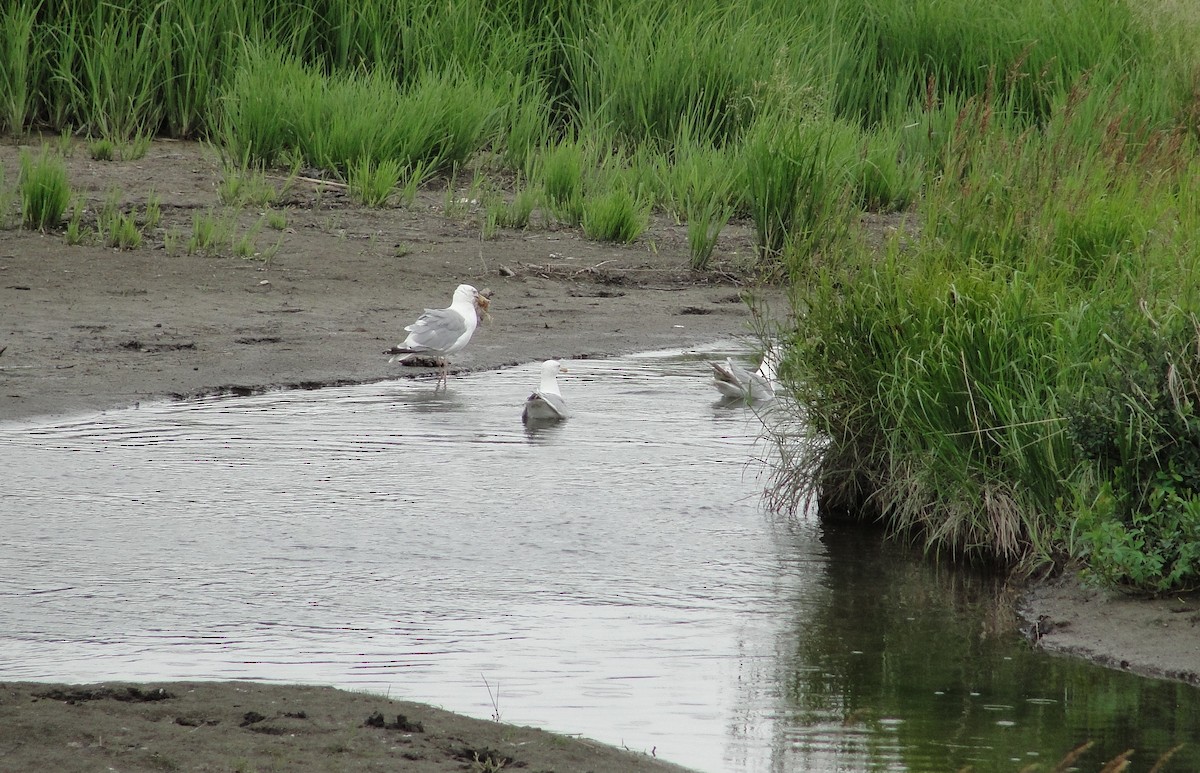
point(614, 216)
point(561, 173)
point(247, 186)
point(1014, 378)
point(209, 233)
point(373, 183)
point(17, 66)
point(44, 190)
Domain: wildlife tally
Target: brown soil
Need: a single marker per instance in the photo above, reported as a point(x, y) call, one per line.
point(241, 726)
point(90, 327)
point(1156, 637)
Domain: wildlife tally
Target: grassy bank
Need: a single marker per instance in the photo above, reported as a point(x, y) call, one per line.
point(1012, 375)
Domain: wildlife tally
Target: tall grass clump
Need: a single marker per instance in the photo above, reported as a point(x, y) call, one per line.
point(8, 199)
point(699, 184)
point(18, 79)
point(925, 46)
point(373, 182)
point(524, 123)
point(115, 84)
point(516, 213)
point(44, 189)
point(1109, 189)
point(614, 215)
point(197, 47)
point(1014, 378)
point(646, 69)
point(560, 170)
point(887, 178)
point(931, 383)
point(796, 187)
point(277, 107)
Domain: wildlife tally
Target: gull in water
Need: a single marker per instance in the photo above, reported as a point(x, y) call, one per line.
point(735, 382)
point(546, 402)
point(442, 332)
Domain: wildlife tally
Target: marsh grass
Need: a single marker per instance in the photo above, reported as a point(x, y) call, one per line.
point(117, 227)
point(121, 231)
point(9, 211)
point(614, 215)
point(197, 44)
point(102, 149)
point(249, 185)
point(797, 183)
point(560, 171)
point(17, 46)
point(75, 233)
point(373, 183)
point(947, 381)
point(514, 213)
point(115, 88)
point(152, 212)
point(276, 219)
point(209, 232)
point(706, 218)
point(44, 190)
point(245, 246)
point(277, 105)
point(643, 74)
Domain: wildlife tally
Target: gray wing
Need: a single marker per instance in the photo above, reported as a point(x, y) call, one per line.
point(435, 330)
point(544, 405)
point(730, 379)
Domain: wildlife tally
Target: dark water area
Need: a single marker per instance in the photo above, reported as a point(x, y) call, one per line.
point(613, 576)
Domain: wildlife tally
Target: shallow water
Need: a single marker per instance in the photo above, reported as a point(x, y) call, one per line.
point(612, 576)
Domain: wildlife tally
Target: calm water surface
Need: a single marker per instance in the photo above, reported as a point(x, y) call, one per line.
point(612, 576)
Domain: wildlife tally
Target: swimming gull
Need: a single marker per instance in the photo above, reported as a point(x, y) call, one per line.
point(546, 402)
point(442, 332)
point(734, 381)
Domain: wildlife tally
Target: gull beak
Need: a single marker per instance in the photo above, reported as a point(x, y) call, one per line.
point(561, 369)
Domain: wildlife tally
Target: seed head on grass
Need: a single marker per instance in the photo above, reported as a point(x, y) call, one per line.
point(45, 191)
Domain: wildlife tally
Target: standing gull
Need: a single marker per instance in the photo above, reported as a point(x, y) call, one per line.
point(734, 381)
point(442, 332)
point(546, 402)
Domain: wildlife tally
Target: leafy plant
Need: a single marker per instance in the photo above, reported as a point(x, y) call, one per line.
point(1136, 423)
